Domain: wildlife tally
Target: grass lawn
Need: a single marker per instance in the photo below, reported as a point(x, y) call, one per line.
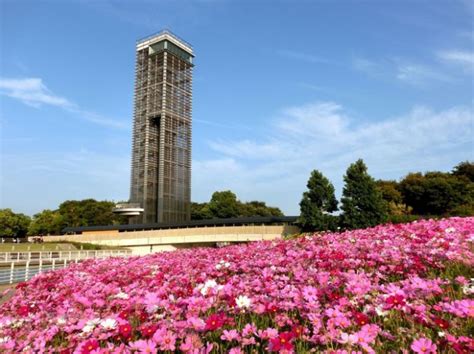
point(35, 247)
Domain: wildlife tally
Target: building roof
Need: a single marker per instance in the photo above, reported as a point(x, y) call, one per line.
point(164, 34)
point(193, 223)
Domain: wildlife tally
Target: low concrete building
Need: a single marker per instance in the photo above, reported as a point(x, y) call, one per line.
point(148, 238)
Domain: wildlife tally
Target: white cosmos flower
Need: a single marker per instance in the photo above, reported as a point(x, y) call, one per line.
point(242, 301)
point(468, 289)
point(87, 328)
point(449, 230)
point(108, 323)
point(209, 284)
point(121, 295)
point(90, 325)
point(61, 321)
point(380, 311)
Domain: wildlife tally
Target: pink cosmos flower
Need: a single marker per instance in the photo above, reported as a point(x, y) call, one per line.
point(230, 335)
point(310, 293)
point(423, 346)
point(191, 343)
point(249, 330)
point(143, 346)
point(168, 341)
point(268, 333)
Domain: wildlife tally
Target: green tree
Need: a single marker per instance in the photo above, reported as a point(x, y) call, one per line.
point(257, 208)
point(88, 212)
point(13, 224)
point(317, 203)
point(48, 222)
point(224, 205)
point(390, 191)
point(466, 169)
point(436, 193)
point(200, 211)
point(362, 202)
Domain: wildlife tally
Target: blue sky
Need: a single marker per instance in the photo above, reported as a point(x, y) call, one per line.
point(280, 88)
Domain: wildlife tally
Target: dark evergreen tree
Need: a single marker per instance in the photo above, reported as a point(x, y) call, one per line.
point(362, 202)
point(466, 169)
point(317, 204)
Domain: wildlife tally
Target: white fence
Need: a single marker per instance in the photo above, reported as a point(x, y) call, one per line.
point(21, 266)
point(59, 255)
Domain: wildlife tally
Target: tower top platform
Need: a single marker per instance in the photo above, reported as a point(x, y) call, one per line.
point(164, 35)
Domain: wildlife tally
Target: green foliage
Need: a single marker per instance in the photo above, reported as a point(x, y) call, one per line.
point(318, 201)
point(200, 211)
point(437, 193)
point(390, 191)
point(466, 169)
point(257, 208)
point(13, 224)
point(462, 210)
point(88, 212)
point(47, 222)
point(90, 246)
point(403, 218)
point(362, 202)
point(224, 204)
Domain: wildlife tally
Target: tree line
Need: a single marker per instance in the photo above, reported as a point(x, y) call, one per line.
point(90, 212)
point(365, 202)
point(224, 204)
point(71, 213)
point(368, 202)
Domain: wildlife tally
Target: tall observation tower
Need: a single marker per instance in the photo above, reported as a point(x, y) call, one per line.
point(161, 147)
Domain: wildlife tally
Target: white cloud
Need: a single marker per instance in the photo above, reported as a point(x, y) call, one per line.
point(33, 92)
point(401, 70)
point(323, 136)
point(458, 57)
point(418, 75)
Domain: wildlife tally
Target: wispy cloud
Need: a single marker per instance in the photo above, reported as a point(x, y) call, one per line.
point(323, 135)
point(33, 92)
point(419, 75)
point(458, 57)
point(400, 70)
point(310, 58)
point(367, 66)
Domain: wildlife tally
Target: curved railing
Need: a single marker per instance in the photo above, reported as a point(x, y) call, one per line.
point(21, 266)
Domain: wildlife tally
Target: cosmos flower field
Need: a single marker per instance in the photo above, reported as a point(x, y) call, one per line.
point(393, 288)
